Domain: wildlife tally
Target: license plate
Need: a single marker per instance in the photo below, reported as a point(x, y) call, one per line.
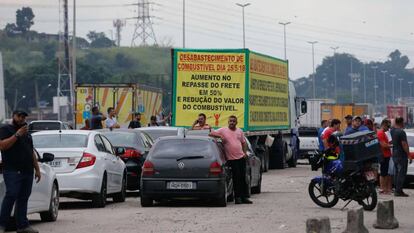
point(56, 163)
point(181, 185)
point(370, 175)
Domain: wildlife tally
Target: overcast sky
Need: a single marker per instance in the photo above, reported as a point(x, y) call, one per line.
point(369, 29)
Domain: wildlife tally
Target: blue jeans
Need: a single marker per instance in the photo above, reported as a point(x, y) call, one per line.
point(18, 190)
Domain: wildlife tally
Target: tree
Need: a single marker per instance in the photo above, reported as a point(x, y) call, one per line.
point(24, 19)
point(11, 29)
point(99, 40)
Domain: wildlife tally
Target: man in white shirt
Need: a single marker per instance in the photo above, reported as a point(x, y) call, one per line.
point(111, 122)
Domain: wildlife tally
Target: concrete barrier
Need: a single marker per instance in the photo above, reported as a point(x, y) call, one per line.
point(318, 225)
point(385, 216)
point(355, 222)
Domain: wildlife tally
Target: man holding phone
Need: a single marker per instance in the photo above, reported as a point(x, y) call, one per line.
point(200, 123)
point(19, 164)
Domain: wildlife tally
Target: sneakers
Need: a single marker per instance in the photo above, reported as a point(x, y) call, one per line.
point(243, 201)
point(27, 230)
point(400, 194)
point(238, 201)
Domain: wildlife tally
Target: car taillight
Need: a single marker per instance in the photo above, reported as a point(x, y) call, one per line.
point(87, 160)
point(215, 169)
point(131, 153)
point(148, 169)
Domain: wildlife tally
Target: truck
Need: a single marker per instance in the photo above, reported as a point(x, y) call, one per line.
point(127, 99)
point(394, 111)
point(339, 111)
point(238, 82)
point(312, 118)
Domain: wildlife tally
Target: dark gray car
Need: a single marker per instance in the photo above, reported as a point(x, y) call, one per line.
point(186, 167)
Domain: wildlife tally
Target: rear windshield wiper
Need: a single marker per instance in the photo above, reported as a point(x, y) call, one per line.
point(190, 157)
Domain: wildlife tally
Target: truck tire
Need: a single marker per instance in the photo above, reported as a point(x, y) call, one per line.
point(277, 156)
point(294, 160)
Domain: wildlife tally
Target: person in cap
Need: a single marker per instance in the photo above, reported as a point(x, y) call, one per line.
point(136, 123)
point(356, 126)
point(348, 122)
point(19, 169)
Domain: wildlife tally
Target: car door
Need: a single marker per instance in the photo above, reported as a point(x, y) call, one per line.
point(115, 166)
point(41, 191)
point(147, 142)
point(103, 154)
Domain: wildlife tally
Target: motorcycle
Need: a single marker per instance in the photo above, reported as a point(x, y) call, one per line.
point(338, 183)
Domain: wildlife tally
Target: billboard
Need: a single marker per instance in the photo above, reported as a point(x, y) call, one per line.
point(268, 106)
point(209, 82)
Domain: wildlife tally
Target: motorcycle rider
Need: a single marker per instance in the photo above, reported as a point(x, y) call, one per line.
point(334, 126)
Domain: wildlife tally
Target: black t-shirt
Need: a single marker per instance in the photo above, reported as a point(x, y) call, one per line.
point(134, 124)
point(96, 121)
point(19, 157)
point(398, 136)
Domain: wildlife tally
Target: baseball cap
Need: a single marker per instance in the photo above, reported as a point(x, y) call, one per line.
point(357, 118)
point(20, 113)
point(348, 117)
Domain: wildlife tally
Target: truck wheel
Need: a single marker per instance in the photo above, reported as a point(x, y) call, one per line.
point(279, 158)
point(293, 161)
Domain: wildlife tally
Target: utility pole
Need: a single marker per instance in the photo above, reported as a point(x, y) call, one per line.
point(365, 86)
point(143, 26)
point(375, 84)
point(400, 79)
point(284, 35)
point(335, 91)
point(313, 66)
point(244, 31)
point(118, 25)
point(393, 87)
point(409, 84)
point(72, 78)
point(383, 88)
point(183, 23)
point(37, 99)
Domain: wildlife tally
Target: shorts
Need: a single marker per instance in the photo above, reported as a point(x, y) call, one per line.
point(385, 164)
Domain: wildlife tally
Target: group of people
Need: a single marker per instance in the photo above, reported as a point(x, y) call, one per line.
point(95, 122)
point(393, 142)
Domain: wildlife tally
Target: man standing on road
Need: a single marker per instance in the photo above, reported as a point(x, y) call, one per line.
point(356, 126)
point(324, 124)
point(385, 178)
point(200, 123)
point(134, 124)
point(19, 162)
point(235, 147)
point(348, 122)
point(400, 152)
point(97, 118)
point(111, 122)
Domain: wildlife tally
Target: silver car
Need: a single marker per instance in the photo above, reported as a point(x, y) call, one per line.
point(45, 194)
point(86, 164)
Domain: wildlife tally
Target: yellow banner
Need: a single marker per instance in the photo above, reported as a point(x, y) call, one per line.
point(268, 92)
point(212, 83)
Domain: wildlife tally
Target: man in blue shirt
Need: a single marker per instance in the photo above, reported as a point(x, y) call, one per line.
point(324, 124)
point(356, 126)
point(348, 122)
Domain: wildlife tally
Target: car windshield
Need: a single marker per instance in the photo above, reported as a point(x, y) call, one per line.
point(124, 139)
point(36, 126)
point(60, 141)
point(156, 133)
point(178, 148)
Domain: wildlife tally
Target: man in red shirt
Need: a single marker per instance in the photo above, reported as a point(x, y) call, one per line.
point(335, 126)
point(385, 178)
point(235, 147)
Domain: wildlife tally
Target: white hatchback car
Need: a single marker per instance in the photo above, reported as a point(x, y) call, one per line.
point(86, 164)
point(45, 194)
point(410, 171)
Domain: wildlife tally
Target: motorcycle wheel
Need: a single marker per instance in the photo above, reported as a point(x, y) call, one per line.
point(327, 200)
point(370, 202)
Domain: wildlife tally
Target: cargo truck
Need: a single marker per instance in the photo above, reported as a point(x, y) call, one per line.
point(339, 111)
point(125, 98)
point(394, 111)
point(251, 86)
point(312, 118)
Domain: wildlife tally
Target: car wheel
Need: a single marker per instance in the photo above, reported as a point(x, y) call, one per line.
point(258, 189)
point(120, 197)
point(249, 185)
point(99, 200)
point(222, 201)
point(52, 214)
point(146, 201)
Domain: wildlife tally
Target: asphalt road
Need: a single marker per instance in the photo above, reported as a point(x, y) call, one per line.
point(283, 206)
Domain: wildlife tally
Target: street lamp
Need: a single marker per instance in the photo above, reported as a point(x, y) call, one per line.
point(383, 88)
point(400, 79)
point(244, 35)
point(393, 87)
point(375, 84)
point(409, 84)
point(354, 78)
point(284, 34)
point(336, 94)
point(313, 65)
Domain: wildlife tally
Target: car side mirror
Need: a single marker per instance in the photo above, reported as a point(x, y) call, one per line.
point(47, 157)
point(303, 107)
point(119, 151)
